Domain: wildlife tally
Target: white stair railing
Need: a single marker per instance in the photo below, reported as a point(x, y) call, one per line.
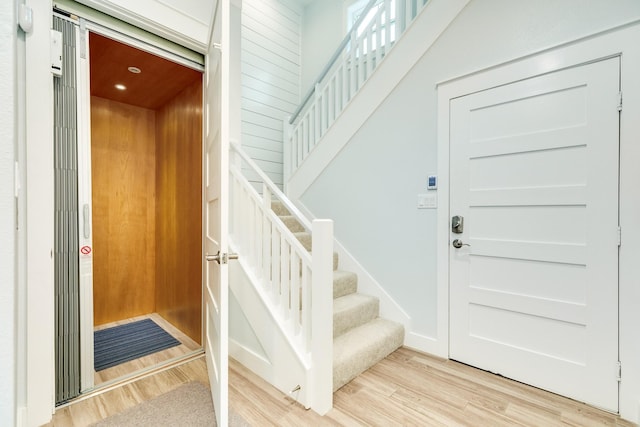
point(362, 50)
point(297, 284)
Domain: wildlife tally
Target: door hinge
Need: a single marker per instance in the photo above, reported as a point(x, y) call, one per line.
point(619, 236)
point(620, 101)
point(619, 371)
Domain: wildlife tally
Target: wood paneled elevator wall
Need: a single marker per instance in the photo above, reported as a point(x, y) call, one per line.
point(179, 211)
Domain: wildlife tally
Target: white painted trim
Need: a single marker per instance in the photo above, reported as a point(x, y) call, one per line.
point(84, 197)
point(423, 343)
point(40, 381)
point(618, 41)
point(250, 359)
point(146, 23)
point(433, 20)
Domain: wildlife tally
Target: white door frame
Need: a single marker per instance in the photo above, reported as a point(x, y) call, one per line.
point(84, 181)
point(35, 306)
point(621, 41)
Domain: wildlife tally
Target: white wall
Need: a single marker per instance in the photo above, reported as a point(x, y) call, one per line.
point(270, 63)
point(8, 289)
point(323, 28)
point(370, 188)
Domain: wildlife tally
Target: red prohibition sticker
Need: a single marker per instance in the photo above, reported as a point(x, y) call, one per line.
point(85, 250)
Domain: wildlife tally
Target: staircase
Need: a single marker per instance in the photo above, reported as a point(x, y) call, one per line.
point(360, 337)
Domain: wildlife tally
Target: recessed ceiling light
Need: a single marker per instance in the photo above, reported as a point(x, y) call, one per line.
point(134, 70)
point(120, 87)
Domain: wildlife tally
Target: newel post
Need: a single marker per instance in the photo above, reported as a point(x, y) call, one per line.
point(322, 316)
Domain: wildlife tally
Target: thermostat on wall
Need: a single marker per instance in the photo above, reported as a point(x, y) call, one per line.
point(432, 182)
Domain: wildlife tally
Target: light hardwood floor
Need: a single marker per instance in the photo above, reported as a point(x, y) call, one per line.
point(407, 388)
point(187, 346)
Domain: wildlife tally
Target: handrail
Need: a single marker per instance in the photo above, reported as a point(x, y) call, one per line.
point(332, 61)
point(271, 186)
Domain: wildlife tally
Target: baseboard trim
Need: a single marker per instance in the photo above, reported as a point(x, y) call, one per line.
point(426, 344)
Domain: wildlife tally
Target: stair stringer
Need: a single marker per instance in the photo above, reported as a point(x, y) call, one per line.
point(367, 284)
point(430, 23)
point(283, 367)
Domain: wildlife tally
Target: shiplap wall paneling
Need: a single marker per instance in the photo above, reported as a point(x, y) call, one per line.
point(270, 62)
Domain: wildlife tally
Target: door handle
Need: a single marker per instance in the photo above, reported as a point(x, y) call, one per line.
point(457, 243)
point(221, 258)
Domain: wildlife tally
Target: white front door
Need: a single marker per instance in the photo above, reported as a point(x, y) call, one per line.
point(534, 174)
point(216, 215)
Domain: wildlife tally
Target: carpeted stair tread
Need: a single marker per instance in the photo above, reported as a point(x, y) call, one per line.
point(279, 209)
point(304, 238)
point(353, 310)
point(360, 348)
point(344, 283)
point(291, 223)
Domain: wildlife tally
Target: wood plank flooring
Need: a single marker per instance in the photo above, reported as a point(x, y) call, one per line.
point(187, 346)
point(407, 388)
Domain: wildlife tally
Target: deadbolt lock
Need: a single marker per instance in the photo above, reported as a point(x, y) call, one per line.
point(457, 224)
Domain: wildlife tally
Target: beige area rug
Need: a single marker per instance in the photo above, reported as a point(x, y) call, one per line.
point(188, 405)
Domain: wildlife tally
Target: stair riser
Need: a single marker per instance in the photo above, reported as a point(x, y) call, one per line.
point(355, 316)
point(344, 284)
point(374, 349)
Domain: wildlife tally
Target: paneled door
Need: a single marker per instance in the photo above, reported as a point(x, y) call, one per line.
point(216, 217)
point(534, 265)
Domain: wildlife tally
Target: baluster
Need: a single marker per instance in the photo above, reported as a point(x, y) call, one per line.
point(324, 114)
point(305, 136)
point(318, 116)
point(285, 275)
point(293, 305)
point(242, 225)
point(305, 307)
point(370, 52)
point(353, 66)
point(387, 31)
point(286, 151)
point(360, 66)
point(331, 114)
point(252, 232)
point(295, 149)
point(379, 36)
point(276, 277)
point(345, 84)
point(401, 6)
point(266, 234)
point(409, 12)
